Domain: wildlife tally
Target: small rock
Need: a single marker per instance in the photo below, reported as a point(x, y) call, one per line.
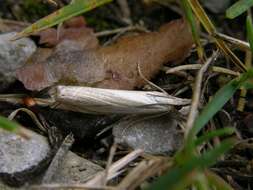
point(153, 134)
point(75, 169)
point(13, 55)
point(20, 158)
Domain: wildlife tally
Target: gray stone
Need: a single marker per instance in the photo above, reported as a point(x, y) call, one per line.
point(75, 169)
point(21, 158)
point(13, 55)
point(153, 134)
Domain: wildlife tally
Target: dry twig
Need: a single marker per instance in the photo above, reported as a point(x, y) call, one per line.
point(199, 66)
point(197, 92)
point(144, 170)
point(126, 12)
point(109, 162)
point(31, 114)
point(236, 42)
point(114, 168)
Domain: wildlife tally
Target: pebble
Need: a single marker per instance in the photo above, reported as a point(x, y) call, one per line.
point(75, 170)
point(157, 135)
point(21, 158)
point(13, 55)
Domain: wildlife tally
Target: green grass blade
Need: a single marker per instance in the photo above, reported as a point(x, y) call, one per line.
point(216, 133)
point(14, 127)
point(210, 28)
point(217, 181)
point(201, 182)
point(174, 178)
point(8, 125)
point(248, 85)
point(209, 158)
point(249, 28)
point(218, 101)
point(65, 13)
point(192, 21)
point(238, 8)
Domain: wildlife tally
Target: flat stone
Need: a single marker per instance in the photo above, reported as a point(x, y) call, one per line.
point(75, 169)
point(13, 55)
point(153, 134)
point(21, 158)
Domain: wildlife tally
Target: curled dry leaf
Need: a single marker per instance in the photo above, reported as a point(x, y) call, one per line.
point(114, 66)
point(74, 30)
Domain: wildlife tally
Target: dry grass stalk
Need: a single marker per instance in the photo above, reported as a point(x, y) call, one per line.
point(197, 92)
point(144, 170)
point(114, 168)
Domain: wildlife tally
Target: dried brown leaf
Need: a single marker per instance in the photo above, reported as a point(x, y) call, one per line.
point(75, 22)
point(74, 29)
point(114, 66)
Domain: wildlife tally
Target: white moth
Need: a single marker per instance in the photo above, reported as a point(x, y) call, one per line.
point(108, 101)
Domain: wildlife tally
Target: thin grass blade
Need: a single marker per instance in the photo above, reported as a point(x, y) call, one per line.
point(76, 8)
point(218, 101)
point(216, 133)
point(7, 124)
point(249, 28)
point(192, 21)
point(14, 127)
point(217, 181)
point(238, 8)
point(210, 28)
point(174, 178)
point(248, 85)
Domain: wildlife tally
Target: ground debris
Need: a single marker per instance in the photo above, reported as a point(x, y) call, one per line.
point(114, 66)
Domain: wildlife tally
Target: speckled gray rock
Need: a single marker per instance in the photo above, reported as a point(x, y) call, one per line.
point(13, 54)
point(20, 158)
point(155, 135)
point(75, 169)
